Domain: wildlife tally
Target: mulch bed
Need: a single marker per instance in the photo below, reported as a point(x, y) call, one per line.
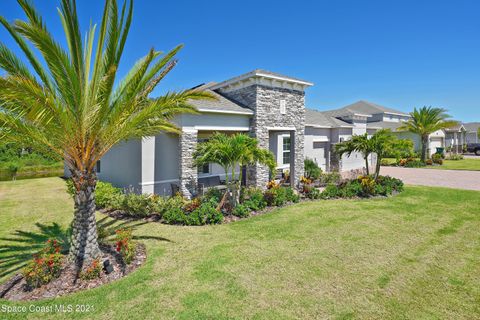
point(16, 289)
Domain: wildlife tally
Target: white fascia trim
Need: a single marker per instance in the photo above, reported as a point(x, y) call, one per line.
point(323, 139)
point(218, 128)
point(149, 183)
point(259, 74)
point(318, 126)
point(225, 111)
point(363, 115)
point(397, 114)
point(266, 75)
point(281, 128)
point(376, 128)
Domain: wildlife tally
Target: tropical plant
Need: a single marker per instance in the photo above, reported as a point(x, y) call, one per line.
point(74, 106)
point(312, 170)
point(358, 143)
point(231, 152)
point(425, 121)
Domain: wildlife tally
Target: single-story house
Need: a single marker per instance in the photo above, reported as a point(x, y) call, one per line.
point(268, 106)
point(471, 132)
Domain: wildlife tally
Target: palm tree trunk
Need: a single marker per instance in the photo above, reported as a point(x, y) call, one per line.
point(424, 147)
point(377, 168)
point(84, 244)
point(366, 166)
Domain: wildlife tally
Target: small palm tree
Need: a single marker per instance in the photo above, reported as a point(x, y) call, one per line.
point(358, 143)
point(425, 121)
point(382, 142)
point(230, 152)
point(72, 105)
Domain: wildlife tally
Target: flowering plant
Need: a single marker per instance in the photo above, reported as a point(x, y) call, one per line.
point(94, 270)
point(125, 245)
point(45, 266)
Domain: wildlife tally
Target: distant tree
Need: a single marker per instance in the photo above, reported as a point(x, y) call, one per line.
point(425, 121)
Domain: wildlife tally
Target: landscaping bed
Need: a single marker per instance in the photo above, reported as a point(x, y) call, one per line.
point(211, 208)
point(17, 289)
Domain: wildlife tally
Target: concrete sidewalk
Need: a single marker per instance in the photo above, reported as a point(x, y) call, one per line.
point(458, 179)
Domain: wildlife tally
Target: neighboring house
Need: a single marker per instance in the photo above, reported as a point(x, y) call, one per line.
point(455, 138)
point(471, 132)
point(266, 105)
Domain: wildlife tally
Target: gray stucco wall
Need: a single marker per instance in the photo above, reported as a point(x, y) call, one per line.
point(122, 165)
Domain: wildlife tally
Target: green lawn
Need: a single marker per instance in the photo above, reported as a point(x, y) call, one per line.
point(413, 256)
point(465, 164)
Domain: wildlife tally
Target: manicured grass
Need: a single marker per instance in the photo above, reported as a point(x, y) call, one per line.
point(413, 256)
point(465, 164)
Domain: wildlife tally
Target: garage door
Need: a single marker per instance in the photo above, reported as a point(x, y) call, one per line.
point(434, 144)
point(319, 154)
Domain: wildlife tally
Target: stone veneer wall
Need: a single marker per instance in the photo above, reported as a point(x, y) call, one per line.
point(265, 101)
point(187, 171)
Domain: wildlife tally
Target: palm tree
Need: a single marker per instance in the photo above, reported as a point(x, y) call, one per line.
point(72, 105)
point(425, 121)
point(230, 152)
point(358, 143)
point(382, 142)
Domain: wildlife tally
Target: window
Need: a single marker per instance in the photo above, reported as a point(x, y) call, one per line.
point(204, 169)
point(283, 107)
point(286, 150)
point(97, 167)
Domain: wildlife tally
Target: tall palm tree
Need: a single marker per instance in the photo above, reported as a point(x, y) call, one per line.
point(425, 121)
point(230, 152)
point(358, 143)
point(72, 105)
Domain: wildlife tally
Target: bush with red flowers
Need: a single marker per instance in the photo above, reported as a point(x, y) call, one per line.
point(93, 271)
point(45, 266)
point(125, 245)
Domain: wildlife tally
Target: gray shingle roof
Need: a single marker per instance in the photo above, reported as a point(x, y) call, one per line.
point(220, 105)
point(362, 107)
point(319, 118)
point(472, 126)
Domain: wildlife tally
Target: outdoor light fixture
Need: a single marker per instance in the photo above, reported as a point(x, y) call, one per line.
point(107, 266)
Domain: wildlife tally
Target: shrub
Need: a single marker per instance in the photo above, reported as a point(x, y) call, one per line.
point(455, 157)
point(253, 199)
point(385, 162)
point(330, 178)
point(206, 213)
point(93, 271)
point(192, 205)
point(213, 194)
point(137, 205)
point(275, 196)
point(125, 244)
point(312, 170)
point(429, 162)
point(331, 191)
point(45, 265)
point(364, 186)
point(174, 215)
point(437, 158)
point(313, 193)
point(241, 211)
point(414, 164)
point(291, 196)
point(272, 184)
point(105, 193)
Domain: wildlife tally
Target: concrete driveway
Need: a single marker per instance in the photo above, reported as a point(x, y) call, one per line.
point(458, 179)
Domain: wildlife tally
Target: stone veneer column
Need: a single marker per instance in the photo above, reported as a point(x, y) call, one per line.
point(188, 173)
point(298, 165)
point(258, 175)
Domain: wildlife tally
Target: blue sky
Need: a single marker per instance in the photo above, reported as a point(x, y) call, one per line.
point(399, 54)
